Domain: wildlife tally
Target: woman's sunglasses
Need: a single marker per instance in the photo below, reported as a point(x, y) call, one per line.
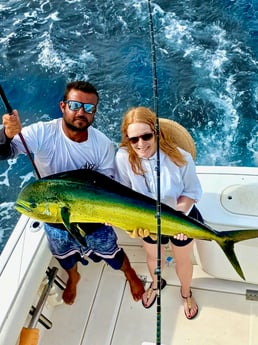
point(144, 137)
point(87, 107)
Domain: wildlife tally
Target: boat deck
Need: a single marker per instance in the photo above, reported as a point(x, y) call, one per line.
point(104, 312)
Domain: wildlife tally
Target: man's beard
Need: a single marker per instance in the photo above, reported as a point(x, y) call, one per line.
point(77, 129)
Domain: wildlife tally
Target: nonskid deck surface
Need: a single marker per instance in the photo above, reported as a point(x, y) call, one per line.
point(105, 314)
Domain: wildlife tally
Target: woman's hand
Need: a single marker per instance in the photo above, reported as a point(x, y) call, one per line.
point(181, 237)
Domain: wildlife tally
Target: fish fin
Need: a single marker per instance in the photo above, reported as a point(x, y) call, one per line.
point(228, 249)
point(65, 214)
point(74, 230)
point(231, 237)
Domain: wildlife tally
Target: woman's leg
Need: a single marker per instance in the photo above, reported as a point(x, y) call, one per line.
point(150, 295)
point(184, 269)
point(151, 257)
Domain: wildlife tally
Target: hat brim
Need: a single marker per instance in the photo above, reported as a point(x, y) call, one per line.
point(180, 136)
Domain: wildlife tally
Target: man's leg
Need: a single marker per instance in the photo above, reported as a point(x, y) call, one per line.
point(70, 290)
point(68, 253)
point(136, 285)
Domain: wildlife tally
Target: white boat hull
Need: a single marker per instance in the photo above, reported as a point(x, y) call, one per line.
point(229, 202)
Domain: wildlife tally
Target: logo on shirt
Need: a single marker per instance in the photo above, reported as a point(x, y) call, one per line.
point(89, 165)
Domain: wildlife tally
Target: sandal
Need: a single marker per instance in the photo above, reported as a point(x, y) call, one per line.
point(188, 300)
point(150, 295)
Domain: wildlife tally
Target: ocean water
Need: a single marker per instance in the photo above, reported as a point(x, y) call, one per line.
point(206, 59)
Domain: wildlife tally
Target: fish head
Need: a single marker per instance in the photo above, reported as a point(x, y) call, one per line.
point(39, 200)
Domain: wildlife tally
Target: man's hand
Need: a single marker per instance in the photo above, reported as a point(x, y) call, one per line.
point(12, 124)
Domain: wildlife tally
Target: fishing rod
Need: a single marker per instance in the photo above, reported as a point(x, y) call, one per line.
point(158, 202)
point(10, 112)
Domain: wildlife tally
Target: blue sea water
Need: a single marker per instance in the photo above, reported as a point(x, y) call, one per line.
point(206, 59)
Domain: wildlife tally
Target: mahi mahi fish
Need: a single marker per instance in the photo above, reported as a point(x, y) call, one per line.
point(86, 196)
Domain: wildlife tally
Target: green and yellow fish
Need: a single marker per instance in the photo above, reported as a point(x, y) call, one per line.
point(86, 196)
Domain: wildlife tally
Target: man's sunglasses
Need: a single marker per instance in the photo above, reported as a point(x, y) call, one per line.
point(87, 107)
point(144, 137)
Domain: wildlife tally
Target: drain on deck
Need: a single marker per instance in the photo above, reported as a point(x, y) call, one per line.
point(143, 278)
point(252, 295)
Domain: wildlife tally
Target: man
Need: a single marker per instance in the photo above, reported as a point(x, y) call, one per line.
point(64, 144)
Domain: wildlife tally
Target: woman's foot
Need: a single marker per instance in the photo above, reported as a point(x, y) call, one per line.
point(150, 295)
point(190, 306)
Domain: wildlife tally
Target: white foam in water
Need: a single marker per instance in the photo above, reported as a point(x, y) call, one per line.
point(26, 178)
point(6, 208)
point(256, 157)
point(253, 145)
point(53, 59)
point(5, 180)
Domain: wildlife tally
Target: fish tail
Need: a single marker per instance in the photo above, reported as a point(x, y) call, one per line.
point(229, 238)
point(228, 249)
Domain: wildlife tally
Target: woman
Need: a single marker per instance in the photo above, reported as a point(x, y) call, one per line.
point(179, 189)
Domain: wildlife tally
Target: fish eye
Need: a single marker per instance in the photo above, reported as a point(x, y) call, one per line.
point(33, 205)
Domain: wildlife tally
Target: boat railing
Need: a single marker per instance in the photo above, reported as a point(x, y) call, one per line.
point(23, 264)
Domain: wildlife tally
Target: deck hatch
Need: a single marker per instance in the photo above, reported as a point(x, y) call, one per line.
point(252, 295)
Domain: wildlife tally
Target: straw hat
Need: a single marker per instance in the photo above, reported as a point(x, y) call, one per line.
point(180, 136)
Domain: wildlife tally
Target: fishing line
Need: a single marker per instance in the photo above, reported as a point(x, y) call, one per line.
point(158, 204)
point(10, 111)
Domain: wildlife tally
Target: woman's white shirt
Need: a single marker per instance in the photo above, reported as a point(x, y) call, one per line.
point(174, 181)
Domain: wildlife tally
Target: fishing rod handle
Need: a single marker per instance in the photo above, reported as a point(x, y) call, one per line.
point(5, 101)
point(10, 112)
